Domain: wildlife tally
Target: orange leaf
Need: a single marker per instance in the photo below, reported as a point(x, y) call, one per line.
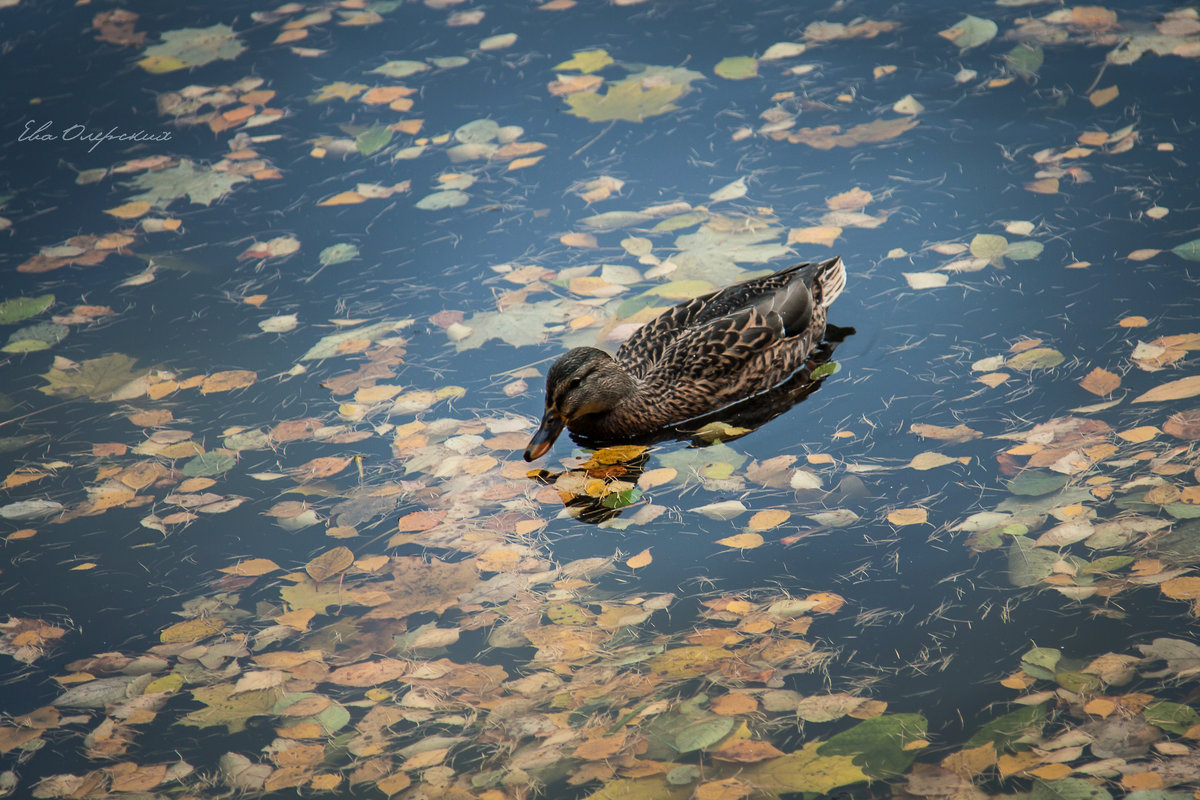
point(226, 381)
point(1101, 381)
point(343, 199)
point(642, 559)
point(251, 567)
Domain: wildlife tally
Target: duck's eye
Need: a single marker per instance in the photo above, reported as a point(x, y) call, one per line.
point(574, 383)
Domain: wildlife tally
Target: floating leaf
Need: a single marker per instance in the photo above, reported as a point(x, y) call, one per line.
point(95, 378)
point(451, 198)
point(970, 31)
point(1037, 358)
point(1173, 390)
point(1025, 60)
point(586, 61)
point(1035, 483)
point(208, 464)
point(373, 139)
point(400, 69)
point(192, 47)
point(19, 308)
point(627, 100)
point(737, 68)
point(907, 516)
point(642, 559)
point(1189, 250)
point(742, 541)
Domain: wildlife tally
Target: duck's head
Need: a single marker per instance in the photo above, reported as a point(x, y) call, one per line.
point(584, 381)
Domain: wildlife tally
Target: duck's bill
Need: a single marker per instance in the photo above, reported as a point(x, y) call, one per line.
point(543, 438)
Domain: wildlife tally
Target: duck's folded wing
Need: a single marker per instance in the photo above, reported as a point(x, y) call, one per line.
point(719, 362)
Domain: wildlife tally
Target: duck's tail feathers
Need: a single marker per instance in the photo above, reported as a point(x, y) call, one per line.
point(831, 278)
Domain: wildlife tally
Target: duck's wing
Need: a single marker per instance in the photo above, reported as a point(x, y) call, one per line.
point(721, 361)
point(782, 299)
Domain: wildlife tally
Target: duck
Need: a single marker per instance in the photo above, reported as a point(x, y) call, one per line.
point(693, 359)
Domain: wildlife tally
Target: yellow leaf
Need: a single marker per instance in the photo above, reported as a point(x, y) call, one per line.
point(1100, 707)
point(521, 163)
point(129, 210)
point(1145, 254)
point(1105, 95)
point(824, 235)
point(1043, 186)
point(251, 568)
point(585, 240)
point(160, 64)
point(192, 630)
point(85, 566)
point(765, 520)
point(907, 516)
point(1173, 390)
point(1140, 434)
point(343, 199)
point(1186, 587)
point(1133, 322)
point(642, 559)
point(742, 541)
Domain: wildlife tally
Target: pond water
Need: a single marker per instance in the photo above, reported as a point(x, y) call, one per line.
point(280, 290)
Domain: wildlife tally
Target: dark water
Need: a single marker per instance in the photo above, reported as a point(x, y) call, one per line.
point(929, 625)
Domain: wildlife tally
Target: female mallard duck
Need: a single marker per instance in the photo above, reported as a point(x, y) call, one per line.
point(693, 359)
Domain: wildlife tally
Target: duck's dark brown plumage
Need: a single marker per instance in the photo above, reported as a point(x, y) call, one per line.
point(693, 359)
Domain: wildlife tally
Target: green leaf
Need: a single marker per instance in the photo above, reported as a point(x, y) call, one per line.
point(1040, 662)
point(878, 744)
point(970, 31)
point(807, 770)
point(627, 100)
point(400, 69)
point(19, 308)
point(206, 465)
point(1004, 731)
point(622, 499)
point(1068, 789)
point(737, 68)
point(1024, 250)
point(1079, 682)
point(201, 186)
point(1037, 482)
point(36, 337)
point(194, 47)
point(1029, 565)
point(1037, 358)
point(373, 140)
point(586, 61)
point(1025, 60)
point(451, 198)
point(825, 370)
point(96, 378)
point(703, 733)
point(1189, 250)
point(1107, 564)
point(337, 254)
point(678, 221)
point(989, 246)
point(1171, 717)
point(223, 707)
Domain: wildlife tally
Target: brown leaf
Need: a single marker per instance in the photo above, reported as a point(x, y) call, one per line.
point(225, 381)
point(1101, 382)
point(368, 673)
point(330, 563)
point(746, 751)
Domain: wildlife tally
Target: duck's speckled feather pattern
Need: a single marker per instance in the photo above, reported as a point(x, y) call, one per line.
point(718, 349)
